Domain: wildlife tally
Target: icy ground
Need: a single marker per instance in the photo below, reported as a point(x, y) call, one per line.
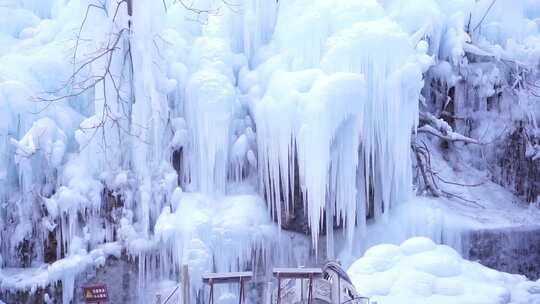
point(419, 271)
point(445, 221)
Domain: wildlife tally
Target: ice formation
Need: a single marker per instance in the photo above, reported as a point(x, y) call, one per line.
point(333, 105)
point(179, 134)
point(419, 271)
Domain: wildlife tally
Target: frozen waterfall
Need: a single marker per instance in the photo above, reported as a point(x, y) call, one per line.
point(169, 133)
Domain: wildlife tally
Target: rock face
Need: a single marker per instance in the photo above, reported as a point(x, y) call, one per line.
point(519, 165)
point(38, 297)
point(120, 277)
point(513, 250)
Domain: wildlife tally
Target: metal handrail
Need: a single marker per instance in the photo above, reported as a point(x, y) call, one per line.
point(357, 298)
point(184, 283)
point(171, 294)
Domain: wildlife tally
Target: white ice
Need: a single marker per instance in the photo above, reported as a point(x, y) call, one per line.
point(419, 271)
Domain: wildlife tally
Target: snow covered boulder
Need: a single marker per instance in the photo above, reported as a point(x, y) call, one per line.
point(419, 271)
point(13, 21)
point(44, 136)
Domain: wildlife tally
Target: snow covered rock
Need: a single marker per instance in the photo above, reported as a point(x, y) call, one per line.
point(44, 136)
point(419, 271)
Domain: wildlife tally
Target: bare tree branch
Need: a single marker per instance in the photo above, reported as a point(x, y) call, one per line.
point(440, 128)
point(485, 15)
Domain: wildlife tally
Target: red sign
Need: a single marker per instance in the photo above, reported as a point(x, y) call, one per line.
point(95, 293)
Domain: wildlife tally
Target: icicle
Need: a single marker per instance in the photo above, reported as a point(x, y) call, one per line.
point(210, 97)
point(367, 129)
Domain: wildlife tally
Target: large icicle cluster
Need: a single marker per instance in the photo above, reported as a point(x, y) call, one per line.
point(340, 98)
point(210, 100)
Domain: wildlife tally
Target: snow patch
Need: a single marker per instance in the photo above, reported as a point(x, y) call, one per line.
point(418, 271)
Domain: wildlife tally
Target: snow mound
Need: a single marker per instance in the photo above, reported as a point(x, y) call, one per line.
point(198, 227)
point(419, 271)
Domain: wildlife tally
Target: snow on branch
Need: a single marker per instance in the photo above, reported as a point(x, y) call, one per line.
point(440, 128)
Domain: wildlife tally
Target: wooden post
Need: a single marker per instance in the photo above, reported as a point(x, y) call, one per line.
point(211, 299)
point(186, 297)
point(241, 299)
point(278, 289)
point(338, 300)
point(310, 292)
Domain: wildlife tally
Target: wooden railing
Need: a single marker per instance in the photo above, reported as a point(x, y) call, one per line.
point(294, 285)
point(227, 278)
